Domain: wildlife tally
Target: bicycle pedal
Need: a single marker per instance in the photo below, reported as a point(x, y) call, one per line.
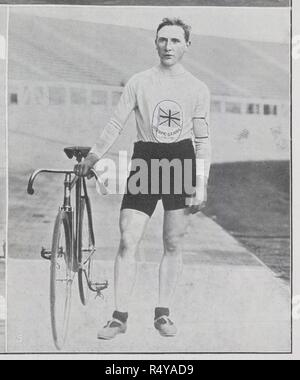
point(46, 254)
point(101, 286)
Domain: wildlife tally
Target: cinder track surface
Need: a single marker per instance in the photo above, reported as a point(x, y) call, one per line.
point(227, 301)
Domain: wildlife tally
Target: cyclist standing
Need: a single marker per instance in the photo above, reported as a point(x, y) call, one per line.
point(172, 110)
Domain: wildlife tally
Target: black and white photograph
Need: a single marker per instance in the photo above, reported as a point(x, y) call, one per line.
point(3, 32)
point(149, 180)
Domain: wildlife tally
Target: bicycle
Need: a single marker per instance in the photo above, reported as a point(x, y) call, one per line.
point(73, 246)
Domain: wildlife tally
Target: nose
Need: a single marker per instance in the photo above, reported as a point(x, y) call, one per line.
point(168, 45)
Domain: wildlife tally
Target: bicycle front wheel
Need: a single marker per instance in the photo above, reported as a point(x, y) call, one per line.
point(61, 279)
point(86, 249)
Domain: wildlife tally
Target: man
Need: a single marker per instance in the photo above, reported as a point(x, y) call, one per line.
point(171, 108)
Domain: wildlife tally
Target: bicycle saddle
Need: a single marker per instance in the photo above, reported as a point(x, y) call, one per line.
point(78, 152)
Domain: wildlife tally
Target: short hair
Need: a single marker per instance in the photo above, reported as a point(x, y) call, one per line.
point(176, 22)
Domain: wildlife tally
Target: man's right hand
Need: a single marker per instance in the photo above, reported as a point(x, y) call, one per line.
point(83, 169)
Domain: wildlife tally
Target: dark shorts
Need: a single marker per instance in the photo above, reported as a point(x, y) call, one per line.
point(172, 183)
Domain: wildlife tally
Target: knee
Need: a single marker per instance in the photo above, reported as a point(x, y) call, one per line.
point(173, 243)
point(128, 244)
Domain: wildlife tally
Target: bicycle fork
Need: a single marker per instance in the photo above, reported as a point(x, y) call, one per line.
point(46, 253)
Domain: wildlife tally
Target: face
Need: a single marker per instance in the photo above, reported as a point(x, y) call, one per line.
point(171, 45)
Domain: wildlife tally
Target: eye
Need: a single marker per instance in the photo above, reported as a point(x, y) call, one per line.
point(161, 40)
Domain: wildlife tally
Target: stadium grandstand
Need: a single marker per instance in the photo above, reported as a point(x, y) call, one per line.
point(66, 76)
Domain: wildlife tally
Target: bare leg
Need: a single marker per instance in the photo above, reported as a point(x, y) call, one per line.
point(132, 227)
point(175, 226)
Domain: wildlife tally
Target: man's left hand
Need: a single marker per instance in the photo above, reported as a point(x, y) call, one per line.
point(199, 200)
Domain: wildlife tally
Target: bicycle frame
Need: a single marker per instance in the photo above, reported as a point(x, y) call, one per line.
point(69, 257)
point(80, 192)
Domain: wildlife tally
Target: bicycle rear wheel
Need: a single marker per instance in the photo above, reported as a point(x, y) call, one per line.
point(61, 279)
point(85, 249)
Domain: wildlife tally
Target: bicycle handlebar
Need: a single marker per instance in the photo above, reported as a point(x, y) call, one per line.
point(30, 189)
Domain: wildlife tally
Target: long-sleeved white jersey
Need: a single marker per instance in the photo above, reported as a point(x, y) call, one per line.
point(165, 106)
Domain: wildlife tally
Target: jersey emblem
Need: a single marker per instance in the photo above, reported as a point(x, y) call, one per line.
point(167, 121)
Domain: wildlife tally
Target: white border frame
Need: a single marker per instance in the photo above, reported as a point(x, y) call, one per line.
point(295, 221)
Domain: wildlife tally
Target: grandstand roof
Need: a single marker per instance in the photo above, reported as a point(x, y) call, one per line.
point(44, 49)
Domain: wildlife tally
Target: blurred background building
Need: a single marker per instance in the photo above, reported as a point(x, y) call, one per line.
point(66, 76)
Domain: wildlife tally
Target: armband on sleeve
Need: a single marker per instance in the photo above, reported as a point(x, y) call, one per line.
point(202, 148)
point(201, 122)
point(203, 156)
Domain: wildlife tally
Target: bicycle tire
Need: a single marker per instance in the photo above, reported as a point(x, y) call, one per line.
point(85, 249)
point(61, 279)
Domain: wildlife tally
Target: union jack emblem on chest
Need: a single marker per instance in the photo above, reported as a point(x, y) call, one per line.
point(167, 121)
point(169, 117)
